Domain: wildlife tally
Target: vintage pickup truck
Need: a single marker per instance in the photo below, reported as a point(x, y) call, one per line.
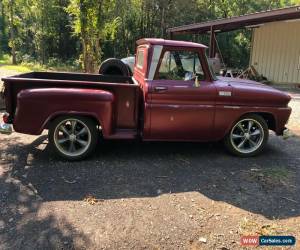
point(172, 96)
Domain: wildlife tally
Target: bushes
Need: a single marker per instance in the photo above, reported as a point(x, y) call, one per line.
point(28, 63)
point(5, 59)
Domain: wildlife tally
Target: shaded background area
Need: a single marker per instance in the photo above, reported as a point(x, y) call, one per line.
point(21, 224)
point(82, 34)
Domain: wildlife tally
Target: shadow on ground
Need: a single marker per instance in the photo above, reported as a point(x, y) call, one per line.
point(20, 204)
point(265, 185)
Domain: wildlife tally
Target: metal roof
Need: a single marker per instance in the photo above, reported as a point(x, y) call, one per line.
point(237, 22)
point(163, 42)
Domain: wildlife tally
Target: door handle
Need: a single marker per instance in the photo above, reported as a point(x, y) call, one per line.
point(160, 89)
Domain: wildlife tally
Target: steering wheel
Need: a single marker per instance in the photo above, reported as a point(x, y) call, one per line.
point(177, 73)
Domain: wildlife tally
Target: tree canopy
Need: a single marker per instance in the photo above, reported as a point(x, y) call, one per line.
point(88, 31)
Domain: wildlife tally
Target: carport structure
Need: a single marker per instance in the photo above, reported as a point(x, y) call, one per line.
point(229, 24)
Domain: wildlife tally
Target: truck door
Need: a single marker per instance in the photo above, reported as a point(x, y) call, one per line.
point(181, 109)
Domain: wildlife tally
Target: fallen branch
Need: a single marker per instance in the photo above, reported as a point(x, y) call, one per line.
point(289, 199)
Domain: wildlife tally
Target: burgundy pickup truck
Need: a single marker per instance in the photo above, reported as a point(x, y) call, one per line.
point(172, 96)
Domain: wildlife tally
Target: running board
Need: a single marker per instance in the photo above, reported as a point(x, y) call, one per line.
point(123, 134)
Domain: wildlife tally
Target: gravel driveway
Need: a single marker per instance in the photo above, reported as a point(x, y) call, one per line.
point(133, 195)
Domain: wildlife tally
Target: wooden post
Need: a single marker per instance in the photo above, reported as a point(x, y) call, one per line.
point(212, 43)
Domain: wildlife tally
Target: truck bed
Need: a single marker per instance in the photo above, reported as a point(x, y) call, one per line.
point(125, 91)
point(83, 77)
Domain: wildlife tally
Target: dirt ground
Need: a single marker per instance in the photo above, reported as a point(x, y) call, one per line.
point(133, 195)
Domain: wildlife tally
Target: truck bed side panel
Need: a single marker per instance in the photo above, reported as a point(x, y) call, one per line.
point(34, 111)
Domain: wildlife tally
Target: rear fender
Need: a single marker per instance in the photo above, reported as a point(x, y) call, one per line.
point(37, 107)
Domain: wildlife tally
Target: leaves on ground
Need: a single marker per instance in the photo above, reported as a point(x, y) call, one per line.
point(92, 200)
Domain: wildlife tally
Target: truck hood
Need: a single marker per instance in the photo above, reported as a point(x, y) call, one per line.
point(239, 82)
point(250, 92)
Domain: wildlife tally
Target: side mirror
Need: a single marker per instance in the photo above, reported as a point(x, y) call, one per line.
point(197, 82)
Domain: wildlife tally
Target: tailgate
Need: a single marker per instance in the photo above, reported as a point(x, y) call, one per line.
point(2, 105)
point(6, 98)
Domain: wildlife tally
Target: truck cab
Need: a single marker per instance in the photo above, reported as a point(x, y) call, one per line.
point(177, 88)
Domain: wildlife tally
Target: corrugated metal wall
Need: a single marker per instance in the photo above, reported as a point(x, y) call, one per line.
point(276, 51)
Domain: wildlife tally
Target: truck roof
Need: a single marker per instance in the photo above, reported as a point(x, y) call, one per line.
point(163, 42)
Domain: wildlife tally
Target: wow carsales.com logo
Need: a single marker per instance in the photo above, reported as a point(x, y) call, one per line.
point(268, 240)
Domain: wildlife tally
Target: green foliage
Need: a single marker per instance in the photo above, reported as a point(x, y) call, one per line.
point(93, 22)
point(5, 59)
point(88, 31)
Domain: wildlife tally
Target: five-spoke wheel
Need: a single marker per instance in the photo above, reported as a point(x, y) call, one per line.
point(248, 136)
point(73, 137)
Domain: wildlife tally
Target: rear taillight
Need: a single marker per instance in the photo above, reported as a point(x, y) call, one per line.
point(5, 118)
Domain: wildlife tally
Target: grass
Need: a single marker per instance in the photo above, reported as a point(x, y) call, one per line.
point(274, 175)
point(22, 68)
point(5, 59)
point(5, 63)
point(277, 173)
point(249, 226)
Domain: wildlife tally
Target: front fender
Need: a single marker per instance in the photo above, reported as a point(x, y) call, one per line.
point(36, 107)
point(227, 116)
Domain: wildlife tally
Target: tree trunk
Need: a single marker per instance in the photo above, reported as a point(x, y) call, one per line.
point(142, 20)
point(12, 32)
point(83, 35)
point(96, 40)
point(2, 24)
point(162, 24)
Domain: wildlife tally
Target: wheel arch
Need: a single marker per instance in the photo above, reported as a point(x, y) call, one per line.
point(269, 118)
point(55, 115)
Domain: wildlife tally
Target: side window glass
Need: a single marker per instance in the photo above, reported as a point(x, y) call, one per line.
point(180, 65)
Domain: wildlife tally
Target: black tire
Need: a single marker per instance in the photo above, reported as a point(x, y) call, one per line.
point(92, 135)
point(261, 137)
point(113, 66)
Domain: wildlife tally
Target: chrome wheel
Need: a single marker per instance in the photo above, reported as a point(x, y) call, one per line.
point(247, 136)
point(72, 137)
